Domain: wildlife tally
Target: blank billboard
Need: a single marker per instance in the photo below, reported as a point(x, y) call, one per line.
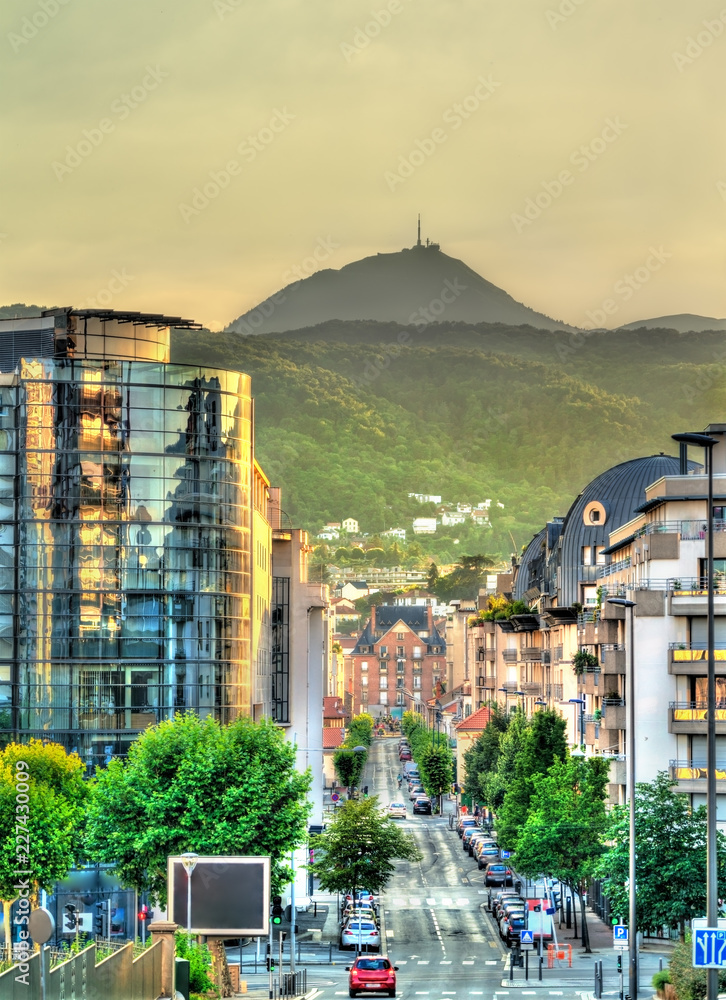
point(230, 895)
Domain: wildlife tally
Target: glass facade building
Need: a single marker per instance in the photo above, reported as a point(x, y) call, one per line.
point(125, 537)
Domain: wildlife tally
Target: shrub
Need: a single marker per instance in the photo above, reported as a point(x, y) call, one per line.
point(200, 964)
point(660, 979)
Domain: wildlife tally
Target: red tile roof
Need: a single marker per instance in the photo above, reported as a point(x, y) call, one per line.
point(332, 738)
point(333, 708)
point(476, 722)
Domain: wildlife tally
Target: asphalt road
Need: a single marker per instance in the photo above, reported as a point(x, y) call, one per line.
point(436, 926)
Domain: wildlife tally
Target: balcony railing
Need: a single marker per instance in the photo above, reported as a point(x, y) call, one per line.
point(547, 656)
point(509, 655)
point(694, 711)
point(688, 651)
point(532, 653)
point(615, 567)
point(694, 770)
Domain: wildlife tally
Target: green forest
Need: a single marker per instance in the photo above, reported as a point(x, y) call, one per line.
point(351, 417)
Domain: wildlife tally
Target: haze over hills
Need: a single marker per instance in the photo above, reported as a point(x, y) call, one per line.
point(413, 286)
point(683, 323)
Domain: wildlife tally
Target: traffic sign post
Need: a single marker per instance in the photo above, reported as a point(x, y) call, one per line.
point(526, 940)
point(505, 855)
point(620, 937)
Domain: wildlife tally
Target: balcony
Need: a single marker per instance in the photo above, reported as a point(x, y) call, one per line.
point(612, 657)
point(688, 595)
point(509, 655)
point(597, 631)
point(547, 657)
point(532, 653)
point(690, 717)
point(532, 688)
point(613, 714)
point(691, 776)
point(691, 659)
point(588, 574)
point(592, 682)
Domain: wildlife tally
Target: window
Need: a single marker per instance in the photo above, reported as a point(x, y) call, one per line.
point(383, 650)
point(400, 636)
point(600, 559)
point(383, 665)
point(399, 682)
point(383, 698)
point(364, 666)
point(417, 652)
point(587, 555)
point(400, 651)
point(400, 666)
point(416, 683)
point(400, 698)
point(383, 683)
point(364, 681)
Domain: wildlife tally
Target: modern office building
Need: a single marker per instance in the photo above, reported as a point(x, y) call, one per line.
point(125, 532)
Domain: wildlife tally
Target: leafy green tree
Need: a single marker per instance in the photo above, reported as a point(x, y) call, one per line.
point(358, 849)
point(670, 857)
point(432, 577)
point(52, 817)
point(466, 580)
point(563, 836)
point(543, 741)
point(481, 762)
point(437, 770)
point(191, 784)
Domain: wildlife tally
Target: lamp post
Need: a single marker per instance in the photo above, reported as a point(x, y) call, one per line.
point(622, 602)
point(581, 722)
point(189, 860)
point(707, 442)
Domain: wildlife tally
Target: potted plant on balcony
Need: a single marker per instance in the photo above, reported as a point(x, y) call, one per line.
point(612, 698)
point(584, 661)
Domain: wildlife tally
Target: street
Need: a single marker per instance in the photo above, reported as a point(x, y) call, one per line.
point(436, 926)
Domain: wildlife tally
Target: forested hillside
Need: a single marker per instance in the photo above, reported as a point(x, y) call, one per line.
point(351, 417)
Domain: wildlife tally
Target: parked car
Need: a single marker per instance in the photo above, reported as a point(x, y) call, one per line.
point(464, 823)
point(486, 855)
point(361, 894)
point(497, 874)
point(359, 909)
point(475, 841)
point(498, 899)
point(397, 810)
point(372, 972)
point(404, 755)
point(469, 832)
point(360, 933)
point(481, 843)
point(422, 805)
point(511, 926)
point(415, 791)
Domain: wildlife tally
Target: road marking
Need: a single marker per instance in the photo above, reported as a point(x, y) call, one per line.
point(467, 963)
point(340, 993)
point(493, 944)
point(422, 993)
point(397, 901)
point(558, 993)
point(529, 993)
point(447, 902)
point(475, 993)
point(448, 993)
point(462, 902)
point(482, 892)
point(445, 962)
point(403, 961)
point(490, 962)
point(414, 901)
point(389, 932)
point(423, 961)
point(431, 901)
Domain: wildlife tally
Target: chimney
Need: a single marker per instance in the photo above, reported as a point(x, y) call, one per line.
point(373, 619)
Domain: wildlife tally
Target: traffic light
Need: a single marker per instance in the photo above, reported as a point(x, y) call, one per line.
point(70, 920)
point(145, 913)
point(277, 909)
point(271, 966)
point(620, 963)
point(99, 920)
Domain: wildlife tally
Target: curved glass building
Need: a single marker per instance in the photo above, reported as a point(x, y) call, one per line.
point(125, 524)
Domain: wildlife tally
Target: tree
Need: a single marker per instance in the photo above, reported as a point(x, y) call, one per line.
point(670, 857)
point(563, 835)
point(50, 810)
point(437, 770)
point(543, 741)
point(358, 849)
point(481, 761)
point(191, 784)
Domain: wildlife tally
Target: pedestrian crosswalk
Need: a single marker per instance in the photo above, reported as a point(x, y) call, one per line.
point(447, 902)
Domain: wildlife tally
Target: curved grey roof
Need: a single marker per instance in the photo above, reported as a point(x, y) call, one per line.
point(531, 566)
point(620, 490)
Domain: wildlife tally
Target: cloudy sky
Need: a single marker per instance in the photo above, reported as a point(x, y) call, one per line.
point(185, 155)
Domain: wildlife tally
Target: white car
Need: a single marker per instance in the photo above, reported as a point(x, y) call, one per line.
point(361, 934)
point(397, 810)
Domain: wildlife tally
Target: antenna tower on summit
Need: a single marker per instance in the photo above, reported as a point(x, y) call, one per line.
point(418, 241)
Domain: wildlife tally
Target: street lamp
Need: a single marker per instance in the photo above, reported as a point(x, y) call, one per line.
point(707, 442)
point(189, 860)
point(622, 602)
point(581, 703)
point(541, 703)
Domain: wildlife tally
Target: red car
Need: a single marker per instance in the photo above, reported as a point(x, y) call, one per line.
point(372, 973)
point(405, 755)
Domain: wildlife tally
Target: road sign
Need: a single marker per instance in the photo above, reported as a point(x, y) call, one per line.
point(709, 948)
point(334, 797)
point(620, 937)
point(526, 940)
point(505, 855)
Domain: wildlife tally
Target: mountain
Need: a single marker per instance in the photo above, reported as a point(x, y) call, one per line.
point(683, 323)
point(415, 286)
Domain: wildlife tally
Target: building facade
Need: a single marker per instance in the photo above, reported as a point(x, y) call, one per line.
point(125, 532)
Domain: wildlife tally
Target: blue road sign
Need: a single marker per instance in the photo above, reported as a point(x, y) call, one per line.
point(620, 936)
point(527, 937)
point(505, 855)
point(709, 948)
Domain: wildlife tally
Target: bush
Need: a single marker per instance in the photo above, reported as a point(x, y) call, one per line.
point(200, 964)
point(689, 983)
point(660, 979)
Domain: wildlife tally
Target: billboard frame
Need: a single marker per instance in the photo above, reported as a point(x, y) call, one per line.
point(221, 862)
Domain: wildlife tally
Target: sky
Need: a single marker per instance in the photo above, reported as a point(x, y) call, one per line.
point(187, 156)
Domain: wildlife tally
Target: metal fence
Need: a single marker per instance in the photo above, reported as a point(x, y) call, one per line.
point(290, 984)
